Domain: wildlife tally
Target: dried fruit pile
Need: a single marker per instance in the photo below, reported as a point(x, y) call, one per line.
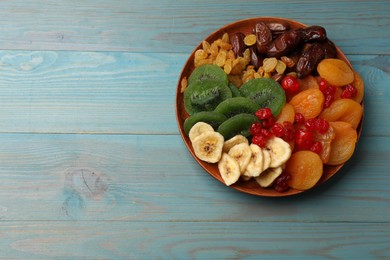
point(275, 106)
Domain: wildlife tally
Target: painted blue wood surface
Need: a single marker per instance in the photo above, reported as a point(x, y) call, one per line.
point(92, 165)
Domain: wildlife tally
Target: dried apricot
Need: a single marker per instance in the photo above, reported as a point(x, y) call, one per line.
point(287, 114)
point(305, 168)
point(335, 71)
point(343, 144)
point(308, 102)
point(359, 85)
point(308, 82)
point(346, 110)
point(325, 139)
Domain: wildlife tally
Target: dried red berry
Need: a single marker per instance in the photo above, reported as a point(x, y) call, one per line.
point(289, 131)
point(349, 91)
point(328, 101)
point(269, 122)
point(323, 85)
point(263, 113)
point(304, 138)
point(316, 147)
point(330, 90)
point(260, 140)
point(322, 125)
point(290, 84)
point(266, 133)
point(299, 118)
point(311, 124)
point(255, 128)
point(278, 130)
point(281, 183)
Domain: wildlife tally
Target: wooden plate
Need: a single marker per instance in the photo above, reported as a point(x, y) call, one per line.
point(251, 187)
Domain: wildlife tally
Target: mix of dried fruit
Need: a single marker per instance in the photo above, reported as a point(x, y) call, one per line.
point(275, 106)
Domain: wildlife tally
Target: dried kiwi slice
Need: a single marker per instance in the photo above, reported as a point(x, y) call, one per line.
point(234, 89)
point(266, 92)
point(212, 118)
point(208, 72)
point(237, 105)
point(205, 95)
point(238, 124)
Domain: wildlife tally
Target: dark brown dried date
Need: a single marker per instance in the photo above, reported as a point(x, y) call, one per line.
point(329, 49)
point(285, 43)
point(313, 33)
point(263, 37)
point(277, 28)
point(309, 60)
point(256, 59)
point(238, 45)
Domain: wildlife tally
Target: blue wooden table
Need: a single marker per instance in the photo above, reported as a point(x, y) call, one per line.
point(92, 165)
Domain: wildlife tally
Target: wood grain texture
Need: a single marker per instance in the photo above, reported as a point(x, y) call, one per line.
point(178, 26)
point(92, 165)
point(153, 178)
point(214, 240)
point(122, 92)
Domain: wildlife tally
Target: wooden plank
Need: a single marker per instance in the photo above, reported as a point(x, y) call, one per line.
point(121, 92)
point(143, 26)
point(214, 240)
point(154, 178)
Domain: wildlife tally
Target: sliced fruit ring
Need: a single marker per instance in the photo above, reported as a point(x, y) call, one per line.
point(266, 92)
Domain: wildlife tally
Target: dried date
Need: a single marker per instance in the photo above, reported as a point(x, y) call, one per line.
point(329, 49)
point(238, 45)
point(263, 37)
point(313, 33)
point(277, 28)
point(256, 59)
point(285, 43)
point(309, 60)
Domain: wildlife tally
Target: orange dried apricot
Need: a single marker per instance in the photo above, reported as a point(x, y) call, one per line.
point(343, 144)
point(359, 85)
point(308, 102)
point(325, 140)
point(335, 71)
point(286, 114)
point(305, 168)
point(346, 110)
point(308, 82)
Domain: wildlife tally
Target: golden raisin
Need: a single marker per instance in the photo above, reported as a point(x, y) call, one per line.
point(250, 39)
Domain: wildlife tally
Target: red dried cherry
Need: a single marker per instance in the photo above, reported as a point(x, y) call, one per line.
point(290, 84)
point(263, 113)
point(328, 101)
point(323, 85)
point(322, 125)
point(255, 128)
point(311, 124)
point(269, 122)
point(304, 138)
point(349, 91)
point(289, 131)
point(266, 133)
point(299, 118)
point(316, 147)
point(281, 183)
point(278, 130)
point(260, 140)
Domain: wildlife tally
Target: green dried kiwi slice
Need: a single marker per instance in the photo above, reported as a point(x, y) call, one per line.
point(266, 92)
point(238, 124)
point(205, 95)
point(234, 89)
point(208, 72)
point(212, 118)
point(237, 105)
